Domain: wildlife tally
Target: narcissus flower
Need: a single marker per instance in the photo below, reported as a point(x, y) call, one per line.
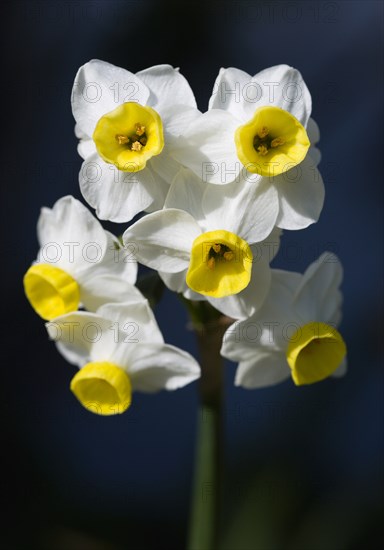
point(294, 332)
point(258, 130)
point(209, 245)
point(119, 349)
point(79, 263)
point(127, 124)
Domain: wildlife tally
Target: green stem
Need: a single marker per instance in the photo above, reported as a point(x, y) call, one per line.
point(204, 524)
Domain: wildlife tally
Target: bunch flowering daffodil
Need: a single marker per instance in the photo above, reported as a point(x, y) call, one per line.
point(215, 190)
point(119, 349)
point(210, 245)
point(127, 124)
point(294, 333)
point(259, 129)
point(78, 264)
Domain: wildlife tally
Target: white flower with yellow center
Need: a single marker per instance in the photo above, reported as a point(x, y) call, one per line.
point(126, 124)
point(119, 349)
point(294, 332)
point(79, 263)
point(209, 245)
point(258, 130)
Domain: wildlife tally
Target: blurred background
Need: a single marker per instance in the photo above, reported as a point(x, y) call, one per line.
point(304, 466)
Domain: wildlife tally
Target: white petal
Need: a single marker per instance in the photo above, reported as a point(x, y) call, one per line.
point(166, 167)
point(135, 322)
point(276, 320)
point(313, 131)
point(208, 147)
point(167, 87)
point(176, 120)
point(99, 88)
point(240, 341)
point(117, 196)
point(266, 368)
point(247, 208)
point(175, 281)
point(163, 240)
point(86, 148)
point(101, 288)
point(281, 86)
point(317, 298)
point(269, 247)
point(245, 303)
point(70, 237)
point(154, 367)
point(230, 92)
point(194, 296)
point(315, 155)
point(314, 137)
point(301, 195)
point(119, 260)
point(186, 193)
point(76, 333)
point(341, 369)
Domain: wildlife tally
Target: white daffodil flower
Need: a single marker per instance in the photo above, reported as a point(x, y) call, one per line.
point(210, 245)
point(79, 263)
point(127, 124)
point(258, 130)
point(294, 332)
point(119, 349)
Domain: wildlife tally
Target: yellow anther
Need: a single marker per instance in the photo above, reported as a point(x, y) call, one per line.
point(216, 247)
point(262, 150)
point(122, 140)
point(211, 263)
point(136, 146)
point(263, 132)
point(228, 255)
point(140, 129)
point(277, 141)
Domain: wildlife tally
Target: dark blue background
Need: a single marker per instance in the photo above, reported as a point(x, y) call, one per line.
point(304, 466)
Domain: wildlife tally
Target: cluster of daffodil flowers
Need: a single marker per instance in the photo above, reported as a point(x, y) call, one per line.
point(215, 190)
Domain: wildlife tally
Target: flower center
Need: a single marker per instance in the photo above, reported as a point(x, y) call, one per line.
point(221, 264)
point(51, 291)
point(219, 252)
point(272, 142)
point(263, 141)
point(135, 141)
point(102, 388)
point(314, 352)
point(129, 136)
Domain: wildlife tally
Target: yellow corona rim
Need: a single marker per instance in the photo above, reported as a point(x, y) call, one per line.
point(51, 291)
point(220, 265)
point(102, 388)
point(315, 351)
point(129, 136)
point(272, 142)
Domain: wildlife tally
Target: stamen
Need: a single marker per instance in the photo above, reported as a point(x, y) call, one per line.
point(262, 150)
point(277, 141)
point(211, 263)
point(140, 129)
point(216, 247)
point(228, 255)
point(263, 132)
point(122, 140)
point(136, 146)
